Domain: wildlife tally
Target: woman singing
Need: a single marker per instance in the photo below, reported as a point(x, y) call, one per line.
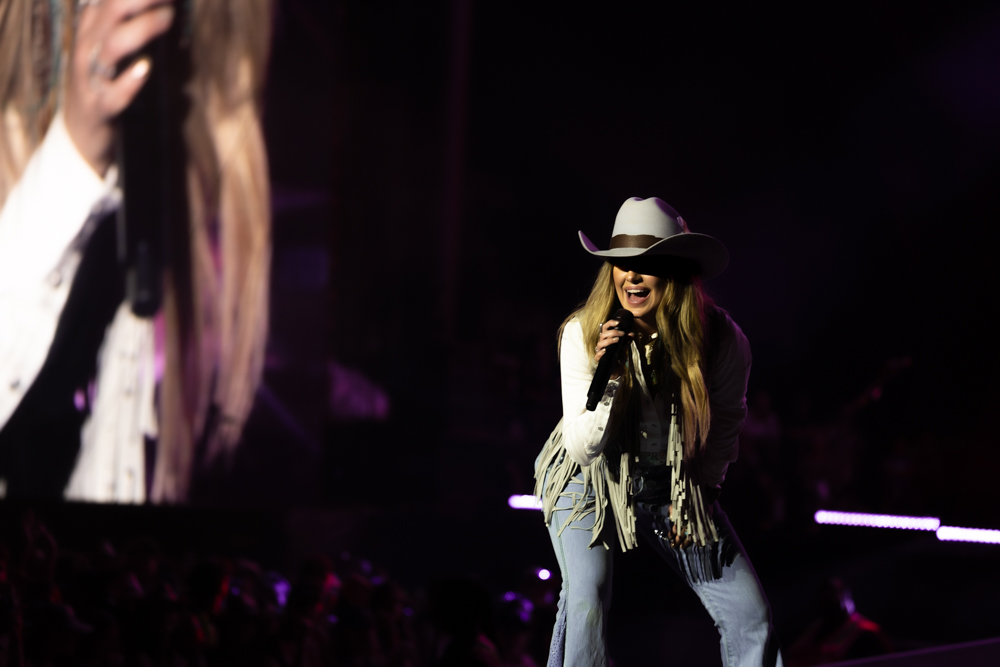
point(656, 448)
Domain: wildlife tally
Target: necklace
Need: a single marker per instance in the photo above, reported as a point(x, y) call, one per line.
point(645, 338)
point(646, 344)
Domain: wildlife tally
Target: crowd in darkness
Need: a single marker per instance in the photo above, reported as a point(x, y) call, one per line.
point(138, 606)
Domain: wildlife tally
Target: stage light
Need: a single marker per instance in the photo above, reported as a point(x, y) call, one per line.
point(956, 534)
point(521, 502)
point(544, 574)
point(878, 520)
point(281, 590)
point(944, 533)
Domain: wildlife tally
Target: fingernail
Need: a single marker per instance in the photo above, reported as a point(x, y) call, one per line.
point(141, 68)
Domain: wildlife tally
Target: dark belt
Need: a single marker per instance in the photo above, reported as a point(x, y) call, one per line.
point(651, 485)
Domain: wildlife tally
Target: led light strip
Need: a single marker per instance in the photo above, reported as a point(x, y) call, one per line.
point(878, 520)
point(956, 534)
point(943, 533)
point(524, 503)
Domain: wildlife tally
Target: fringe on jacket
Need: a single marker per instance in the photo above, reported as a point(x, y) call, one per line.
point(612, 486)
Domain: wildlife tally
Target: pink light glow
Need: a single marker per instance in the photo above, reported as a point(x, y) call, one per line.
point(544, 575)
point(524, 503)
point(354, 397)
point(878, 520)
point(956, 534)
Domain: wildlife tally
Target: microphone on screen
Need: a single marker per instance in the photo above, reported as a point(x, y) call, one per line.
point(152, 168)
point(607, 363)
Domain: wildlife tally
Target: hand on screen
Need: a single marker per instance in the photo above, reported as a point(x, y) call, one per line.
point(108, 32)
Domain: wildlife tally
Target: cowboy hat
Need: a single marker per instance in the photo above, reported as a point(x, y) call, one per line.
point(650, 227)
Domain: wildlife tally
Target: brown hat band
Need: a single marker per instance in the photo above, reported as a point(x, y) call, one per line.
point(634, 240)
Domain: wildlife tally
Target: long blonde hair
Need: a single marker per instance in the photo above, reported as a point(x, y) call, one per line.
point(215, 317)
point(680, 323)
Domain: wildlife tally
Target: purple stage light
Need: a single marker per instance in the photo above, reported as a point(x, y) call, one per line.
point(956, 534)
point(878, 520)
point(521, 502)
point(544, 574)
point(281, 590)
point(944, 533)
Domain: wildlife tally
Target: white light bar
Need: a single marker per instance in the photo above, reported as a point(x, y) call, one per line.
point(956, 534)
point(878, 520)
point(524, 503)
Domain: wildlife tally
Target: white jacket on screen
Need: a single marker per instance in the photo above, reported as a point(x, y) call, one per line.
point(45, 224)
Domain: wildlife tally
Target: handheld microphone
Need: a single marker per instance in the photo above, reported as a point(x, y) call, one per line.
point(152, 164)
point(626, 320)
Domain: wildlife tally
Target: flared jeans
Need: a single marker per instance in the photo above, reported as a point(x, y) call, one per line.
point(735, 601)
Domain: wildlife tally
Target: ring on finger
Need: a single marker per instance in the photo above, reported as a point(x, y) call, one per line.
point(80, 4)
point(96, 68)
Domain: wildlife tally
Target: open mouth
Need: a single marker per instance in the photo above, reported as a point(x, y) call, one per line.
point(637, 295)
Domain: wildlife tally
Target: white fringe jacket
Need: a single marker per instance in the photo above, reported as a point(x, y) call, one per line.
point(576, 446)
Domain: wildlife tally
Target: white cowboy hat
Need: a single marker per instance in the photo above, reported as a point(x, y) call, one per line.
point(645, 227)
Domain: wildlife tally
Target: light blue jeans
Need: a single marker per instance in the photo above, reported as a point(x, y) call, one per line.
point(735, 601)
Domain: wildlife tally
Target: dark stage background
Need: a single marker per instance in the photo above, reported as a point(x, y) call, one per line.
point(432, 163)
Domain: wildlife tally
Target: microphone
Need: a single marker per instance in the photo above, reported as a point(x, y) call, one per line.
point(607, 363)
point(152, 166)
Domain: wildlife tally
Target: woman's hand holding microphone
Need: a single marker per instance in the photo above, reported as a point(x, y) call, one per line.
point(609, 336)
point(107, 33)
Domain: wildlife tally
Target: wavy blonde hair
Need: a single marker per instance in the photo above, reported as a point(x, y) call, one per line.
point(680, 323)
point(215, 317)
